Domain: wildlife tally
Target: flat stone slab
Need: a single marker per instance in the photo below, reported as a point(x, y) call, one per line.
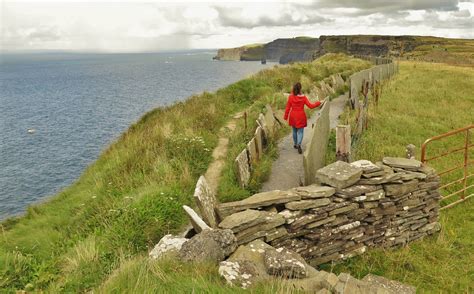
point(259, 141)
point(339, 174)
point(258, 200)
point(315, 191)
point(244, 219)
point(402, 162)
point(206, 202)
point(366, 166)
point(307, 204)
point(198, 224)
point(252, 149)
point(390, 285)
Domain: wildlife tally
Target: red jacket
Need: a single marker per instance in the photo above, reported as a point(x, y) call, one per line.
point(295, 110)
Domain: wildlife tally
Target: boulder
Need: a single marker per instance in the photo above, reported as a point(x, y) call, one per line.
point(169, 244)
point(284, 263)
point(209, 245)
point(339, 174)
point(390, 286)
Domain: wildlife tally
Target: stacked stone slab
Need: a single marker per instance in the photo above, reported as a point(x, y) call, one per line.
point(357, 206)
point(267, 125)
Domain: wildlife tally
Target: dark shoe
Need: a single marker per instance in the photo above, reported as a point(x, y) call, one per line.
point(295, 146)
point(300, 151)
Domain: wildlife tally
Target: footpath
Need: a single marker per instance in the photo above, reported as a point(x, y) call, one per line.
point(287, 171)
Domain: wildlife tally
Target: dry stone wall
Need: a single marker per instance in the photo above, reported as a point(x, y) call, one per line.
point(357, 206)
point(244, 162)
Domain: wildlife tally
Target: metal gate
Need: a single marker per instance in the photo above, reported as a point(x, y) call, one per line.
point(458, 179)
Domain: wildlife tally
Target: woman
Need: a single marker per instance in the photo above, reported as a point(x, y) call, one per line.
point(297, 117)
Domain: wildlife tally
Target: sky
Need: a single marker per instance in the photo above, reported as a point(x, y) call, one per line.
point(111, 26)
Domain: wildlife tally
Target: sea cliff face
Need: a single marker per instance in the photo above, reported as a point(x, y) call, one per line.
point(307, 49)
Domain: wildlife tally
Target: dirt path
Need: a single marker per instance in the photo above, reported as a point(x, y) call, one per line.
point(287, 171)
point(219, 153)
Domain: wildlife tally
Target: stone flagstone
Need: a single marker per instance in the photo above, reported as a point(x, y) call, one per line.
point(402, 162)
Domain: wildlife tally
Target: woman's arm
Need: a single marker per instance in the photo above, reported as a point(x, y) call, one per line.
point(287, 109)
point(311, 105)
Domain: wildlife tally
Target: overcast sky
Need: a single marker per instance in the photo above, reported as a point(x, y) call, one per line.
point(108, 26)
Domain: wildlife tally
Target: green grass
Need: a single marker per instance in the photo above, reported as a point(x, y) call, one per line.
point(132, 195)
point(422, 101)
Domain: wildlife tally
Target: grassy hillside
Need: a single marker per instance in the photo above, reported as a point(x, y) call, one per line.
point(422, 101)
point(101, 227)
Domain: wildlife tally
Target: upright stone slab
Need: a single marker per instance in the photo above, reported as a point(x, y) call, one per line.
point(339, 174)
point(270, 120)
point(259, 141)
point(262, 123)
point(314, 156)
point(206, 201)
point(242, 167)
point(253, 153)
point(198, 224)
point(320, 93)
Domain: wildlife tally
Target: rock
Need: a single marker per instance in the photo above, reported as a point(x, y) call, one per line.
point(376, 195)
point(258, 200)
point(276, 233)
point(169, 244)
point(291, 215)
point(358, 190)
point(209, 245)
point(242, 167)
point(321, 222)
point(307, 204)
point(391, 286)
point(366, 166)
point(241, 273)
point(339, 174)
point(198, 224)
point(401, 189)
point(260, 230)
point(282, 262)
point(206, 201)
point(314, 191)
point(411, 164)
point(244, 219)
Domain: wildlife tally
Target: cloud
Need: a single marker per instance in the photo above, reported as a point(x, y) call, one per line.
point(239, 18)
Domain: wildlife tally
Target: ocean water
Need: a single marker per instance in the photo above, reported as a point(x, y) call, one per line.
point(76, 104)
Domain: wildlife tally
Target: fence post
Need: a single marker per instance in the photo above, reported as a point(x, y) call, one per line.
point(343, 143)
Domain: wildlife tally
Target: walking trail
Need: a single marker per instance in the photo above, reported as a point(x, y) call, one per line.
point(287, 171)
point(219, 154)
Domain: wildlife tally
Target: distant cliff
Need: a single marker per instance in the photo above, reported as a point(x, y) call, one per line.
point(307, 49)
point(279, 50)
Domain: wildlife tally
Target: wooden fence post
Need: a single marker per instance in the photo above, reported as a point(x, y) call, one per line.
point(343, 143)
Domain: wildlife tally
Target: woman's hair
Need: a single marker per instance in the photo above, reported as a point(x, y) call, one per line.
point(297, 89)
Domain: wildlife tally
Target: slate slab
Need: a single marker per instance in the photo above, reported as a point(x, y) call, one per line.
point(242, 167)
point(198, 224)
point(339, 174)
point(401, 162)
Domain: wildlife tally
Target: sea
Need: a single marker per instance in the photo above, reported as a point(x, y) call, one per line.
point(58, 111)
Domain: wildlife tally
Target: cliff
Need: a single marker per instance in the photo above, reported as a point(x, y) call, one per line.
point(306, 48)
